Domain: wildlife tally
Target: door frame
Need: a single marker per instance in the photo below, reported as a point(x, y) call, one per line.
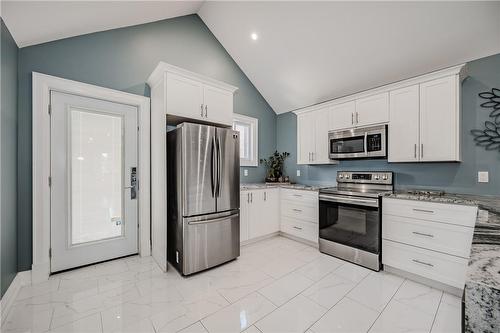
point(42, 86)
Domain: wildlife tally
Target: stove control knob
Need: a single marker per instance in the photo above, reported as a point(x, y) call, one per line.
point(377, 177)
point(384, 177)
point(347, 176)
point(341, 176)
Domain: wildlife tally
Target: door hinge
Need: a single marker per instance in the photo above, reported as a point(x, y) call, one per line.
point(50, 181)
point(50, 110)
point(50, 253)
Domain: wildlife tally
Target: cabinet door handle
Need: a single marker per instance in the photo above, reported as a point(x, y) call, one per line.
point(422, 150)
point(312, 157)
point(201, 107)
point(352, 118)
point(251, 197)
point(423, 210)
point(357, 117)
point(422, 234)
point(265, 196)
point(298, 228)
point(415, 153)
point(422, 262)
point(248, 197)
point(206, 111)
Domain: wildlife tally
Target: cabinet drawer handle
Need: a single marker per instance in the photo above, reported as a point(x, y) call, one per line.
point(297, 195)
point(422, 262)
point(423, 210)
point(297, 210)
point(422, 234)
point(298, 228)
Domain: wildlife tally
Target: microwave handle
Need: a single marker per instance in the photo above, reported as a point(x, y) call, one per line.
point(366, 143)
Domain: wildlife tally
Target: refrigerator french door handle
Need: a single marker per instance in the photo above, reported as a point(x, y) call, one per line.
point(214, 168)
point(219, 166)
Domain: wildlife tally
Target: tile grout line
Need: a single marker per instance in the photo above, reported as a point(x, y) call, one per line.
point(385, 306)
point(345, 296)
point(437, 310)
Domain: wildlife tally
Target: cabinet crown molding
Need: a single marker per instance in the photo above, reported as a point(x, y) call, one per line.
point(460, 70)
point(163, 67)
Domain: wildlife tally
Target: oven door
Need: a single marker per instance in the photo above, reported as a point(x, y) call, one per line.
point(347, 145)
point(350, 221)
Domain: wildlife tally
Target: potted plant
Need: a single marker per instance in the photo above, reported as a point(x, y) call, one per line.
point(274, 165)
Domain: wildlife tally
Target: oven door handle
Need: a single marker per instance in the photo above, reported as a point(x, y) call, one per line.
point(349, 200)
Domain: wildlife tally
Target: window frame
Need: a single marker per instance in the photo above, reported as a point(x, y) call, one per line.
point(254, 139)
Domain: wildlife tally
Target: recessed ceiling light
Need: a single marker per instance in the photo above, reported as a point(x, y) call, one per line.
point(254, 36)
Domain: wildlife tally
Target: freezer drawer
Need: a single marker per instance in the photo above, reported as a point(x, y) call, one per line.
point(210, 240)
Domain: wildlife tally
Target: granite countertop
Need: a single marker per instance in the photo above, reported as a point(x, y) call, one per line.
point(256, 186)
point(482, 285)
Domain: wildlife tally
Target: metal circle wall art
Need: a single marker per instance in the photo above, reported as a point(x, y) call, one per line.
point(489, 138)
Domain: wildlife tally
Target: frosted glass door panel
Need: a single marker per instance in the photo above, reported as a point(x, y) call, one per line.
point(96, 176)
point(94, 181)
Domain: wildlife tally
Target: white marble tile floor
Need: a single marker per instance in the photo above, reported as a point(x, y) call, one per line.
point(276, 285)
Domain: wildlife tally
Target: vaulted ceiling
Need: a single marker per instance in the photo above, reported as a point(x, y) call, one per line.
point(305, 52)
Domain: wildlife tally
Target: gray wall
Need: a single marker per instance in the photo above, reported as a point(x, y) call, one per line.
point(8, 143)
point(123, 59)
point(451, 177)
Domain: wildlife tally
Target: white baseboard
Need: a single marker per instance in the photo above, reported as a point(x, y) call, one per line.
point(20, 280)
point(40, 272)
point(258, 239)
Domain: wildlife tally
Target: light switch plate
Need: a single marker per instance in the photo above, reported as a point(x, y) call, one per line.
point(298, 173)
point(483, 177)
point(245, 172)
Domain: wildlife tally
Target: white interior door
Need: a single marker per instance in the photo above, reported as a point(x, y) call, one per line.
point(93, 180)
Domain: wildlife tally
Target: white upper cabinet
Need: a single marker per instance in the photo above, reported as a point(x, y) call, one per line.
point(218, 104)
point(320, 132)
point(424, 124)
point(342, 115)
point(404, 125)
point(423, 114)
point(312, 137)
point(191, 96)
point(305, 137)
point(439, 120)
point(372, 110)
point(184, 96)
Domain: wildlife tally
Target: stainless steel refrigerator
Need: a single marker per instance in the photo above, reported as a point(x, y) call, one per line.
point(203, 180)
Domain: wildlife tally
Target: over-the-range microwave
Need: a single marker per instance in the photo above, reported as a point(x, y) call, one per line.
point(367, 142)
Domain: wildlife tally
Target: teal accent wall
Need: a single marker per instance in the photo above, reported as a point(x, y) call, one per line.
point(8, 158)
point(123, 59)
point(484, 74)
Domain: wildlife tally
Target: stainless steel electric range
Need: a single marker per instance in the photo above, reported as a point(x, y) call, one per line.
point(350, 217)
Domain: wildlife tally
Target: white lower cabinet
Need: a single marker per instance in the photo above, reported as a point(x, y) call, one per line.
point(431, 240)
point(259, 213)
point(299, 214)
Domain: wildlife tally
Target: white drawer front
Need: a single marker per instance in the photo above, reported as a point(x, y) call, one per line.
point(450, 239)
point(436, 266)
point(299, 211)
point(301, 196)
point(305, 230)
point(431, 211)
